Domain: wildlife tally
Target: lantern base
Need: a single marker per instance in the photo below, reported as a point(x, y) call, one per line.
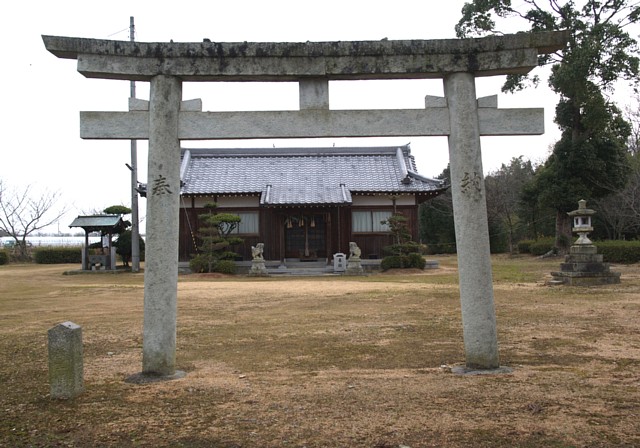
point(584, 267)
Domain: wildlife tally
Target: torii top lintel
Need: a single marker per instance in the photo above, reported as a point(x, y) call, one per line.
point(265, 61)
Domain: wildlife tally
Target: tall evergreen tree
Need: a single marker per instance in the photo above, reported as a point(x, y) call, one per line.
point(589, 159)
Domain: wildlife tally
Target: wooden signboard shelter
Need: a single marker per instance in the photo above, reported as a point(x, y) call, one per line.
point(107, 226)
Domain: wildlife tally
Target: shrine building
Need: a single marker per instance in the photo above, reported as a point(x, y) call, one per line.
point(304, 203)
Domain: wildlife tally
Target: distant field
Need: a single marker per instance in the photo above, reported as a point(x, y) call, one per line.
point(326, 362)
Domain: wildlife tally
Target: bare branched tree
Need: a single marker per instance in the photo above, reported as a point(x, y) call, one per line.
point(620, 211)
point(633, 117)
point(22, 213)
point(504, 190)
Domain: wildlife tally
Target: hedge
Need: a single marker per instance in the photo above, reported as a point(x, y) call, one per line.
point(619, 251)
point(524, 246)
point(403, 262)
point(58, 255)
point(536, 247)
point(614, 251)
point(225, 267)
point(4, 257)
point(200, 263)
point(542, 246)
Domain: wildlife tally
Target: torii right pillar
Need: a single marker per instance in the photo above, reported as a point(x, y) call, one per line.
point(470, 218)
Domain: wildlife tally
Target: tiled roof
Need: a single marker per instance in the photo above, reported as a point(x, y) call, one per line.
point(298, 176)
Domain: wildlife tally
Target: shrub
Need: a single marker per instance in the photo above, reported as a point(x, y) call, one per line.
point(123, 247)
point(619, 251)
point(406, 248)
point(424, 249)
point(403, 262)
point(524, 246)
point(542, 246)
point(228, 255)
point(225, 267)
point(4, 257)
point(199, 264)
point(392, 262)
point(57, 255)
point(417, 261)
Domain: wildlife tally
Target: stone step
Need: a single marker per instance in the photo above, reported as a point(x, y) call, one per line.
point(306, 264)
point(555, 283)
point(301, 268)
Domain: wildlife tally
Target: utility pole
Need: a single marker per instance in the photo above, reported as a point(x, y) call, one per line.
point(135, 232)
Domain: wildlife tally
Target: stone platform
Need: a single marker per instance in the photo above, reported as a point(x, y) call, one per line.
point(583, 266)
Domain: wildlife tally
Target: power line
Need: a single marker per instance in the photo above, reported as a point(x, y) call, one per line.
point(118, 32)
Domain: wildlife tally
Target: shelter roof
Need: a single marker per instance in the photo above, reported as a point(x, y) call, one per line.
point(304, 176)
point(101, 223)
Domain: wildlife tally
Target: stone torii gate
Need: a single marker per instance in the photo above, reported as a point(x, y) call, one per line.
point(165, 120)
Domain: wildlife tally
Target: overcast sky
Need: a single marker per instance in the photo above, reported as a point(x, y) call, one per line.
point(43, 95)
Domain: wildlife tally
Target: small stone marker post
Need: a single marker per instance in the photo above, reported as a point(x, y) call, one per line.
point(65, 360)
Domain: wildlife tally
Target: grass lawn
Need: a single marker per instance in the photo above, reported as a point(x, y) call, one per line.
point(326, 361)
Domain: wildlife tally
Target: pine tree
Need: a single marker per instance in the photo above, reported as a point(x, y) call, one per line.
point(216, 241)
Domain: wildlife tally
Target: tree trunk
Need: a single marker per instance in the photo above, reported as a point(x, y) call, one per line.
point(510, 234)
point(563, 232)
point(22, 246)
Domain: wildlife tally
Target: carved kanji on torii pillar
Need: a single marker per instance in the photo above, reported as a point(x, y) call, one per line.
point(166, 120)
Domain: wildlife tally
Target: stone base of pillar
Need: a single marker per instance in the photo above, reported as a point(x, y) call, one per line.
point(258, 269)
point(464, 370)
point(146, 378)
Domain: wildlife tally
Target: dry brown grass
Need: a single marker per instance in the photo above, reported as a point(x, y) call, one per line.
point(317, 362)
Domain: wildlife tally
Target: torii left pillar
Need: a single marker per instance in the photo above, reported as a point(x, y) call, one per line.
point(163, 205)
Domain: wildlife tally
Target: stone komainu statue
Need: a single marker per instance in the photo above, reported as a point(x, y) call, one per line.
point(354, 250)
point(256, 251)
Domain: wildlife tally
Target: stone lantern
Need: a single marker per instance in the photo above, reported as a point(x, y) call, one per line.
point(582, 222)
point(583, 265)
